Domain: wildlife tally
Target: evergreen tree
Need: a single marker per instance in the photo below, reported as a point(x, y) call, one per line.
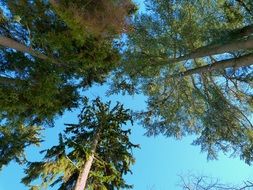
point(14, 139)
point(47, 58)
point(192, 59)
point(95, 153)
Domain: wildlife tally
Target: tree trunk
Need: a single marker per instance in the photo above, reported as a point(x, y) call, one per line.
point(10, 43)
point(217, 49)
point(244, 32)
point(243, 41)
point(209, 50)
point(83, 176)
point(245, 60)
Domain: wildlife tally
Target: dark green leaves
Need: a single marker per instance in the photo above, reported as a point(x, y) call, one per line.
point(14, 138)
point(33, 90)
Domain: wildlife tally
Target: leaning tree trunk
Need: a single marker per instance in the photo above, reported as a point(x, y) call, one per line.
point(242, 42)
point(83, 176)
point(242, 61)
point(216, 49)
point(238, 43)
point(10, 43)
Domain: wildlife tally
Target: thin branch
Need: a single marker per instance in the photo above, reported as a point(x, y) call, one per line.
point(72, 162)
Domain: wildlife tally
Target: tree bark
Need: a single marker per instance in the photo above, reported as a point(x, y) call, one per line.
point(10, 43)
point(217, 49)
point(245, 60)
point(209, 50)
point(243, 41)
point(245, 31)
point(83, 176)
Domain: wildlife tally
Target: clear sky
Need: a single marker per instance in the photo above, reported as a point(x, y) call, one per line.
point(158, 163)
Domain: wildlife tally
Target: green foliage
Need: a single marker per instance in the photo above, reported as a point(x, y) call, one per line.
point(41, 89)
point(216, 105)
point(34, 91)
point(80, 54)
point(13, 139)
point(101, 17)
point(113, 158)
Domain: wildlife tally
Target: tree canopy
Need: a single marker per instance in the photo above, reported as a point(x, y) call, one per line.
point(48, 58)
point(192, 59)
point(112, 153)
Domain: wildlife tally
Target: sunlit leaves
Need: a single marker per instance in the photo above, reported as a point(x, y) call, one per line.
point(214, 105)
point(113, 157)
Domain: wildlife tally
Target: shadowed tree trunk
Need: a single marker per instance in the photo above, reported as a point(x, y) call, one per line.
point(10, 43)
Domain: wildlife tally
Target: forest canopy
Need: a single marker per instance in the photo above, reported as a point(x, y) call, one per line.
point(191, 59)
point(48, 58)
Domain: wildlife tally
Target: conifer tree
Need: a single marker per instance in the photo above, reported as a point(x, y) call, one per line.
point(193, 60)
point(95, 153)
point(48, 57)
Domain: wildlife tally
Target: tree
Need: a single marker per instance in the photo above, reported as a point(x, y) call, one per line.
point(192, 182)
point(14, 139)
point(192, 59)
point(95, 153)
point(101, 17)
point(47, 59)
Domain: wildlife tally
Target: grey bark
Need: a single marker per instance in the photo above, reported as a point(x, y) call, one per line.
point(217, 49)
point(10, 43)
point(83, 176)
point(245, 60)
point(241, 39)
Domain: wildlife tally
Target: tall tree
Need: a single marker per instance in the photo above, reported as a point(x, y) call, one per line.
point(192, 59)
point(95, 153)
point(48, 57)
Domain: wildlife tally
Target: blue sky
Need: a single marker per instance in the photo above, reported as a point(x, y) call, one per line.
point(159, 161)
